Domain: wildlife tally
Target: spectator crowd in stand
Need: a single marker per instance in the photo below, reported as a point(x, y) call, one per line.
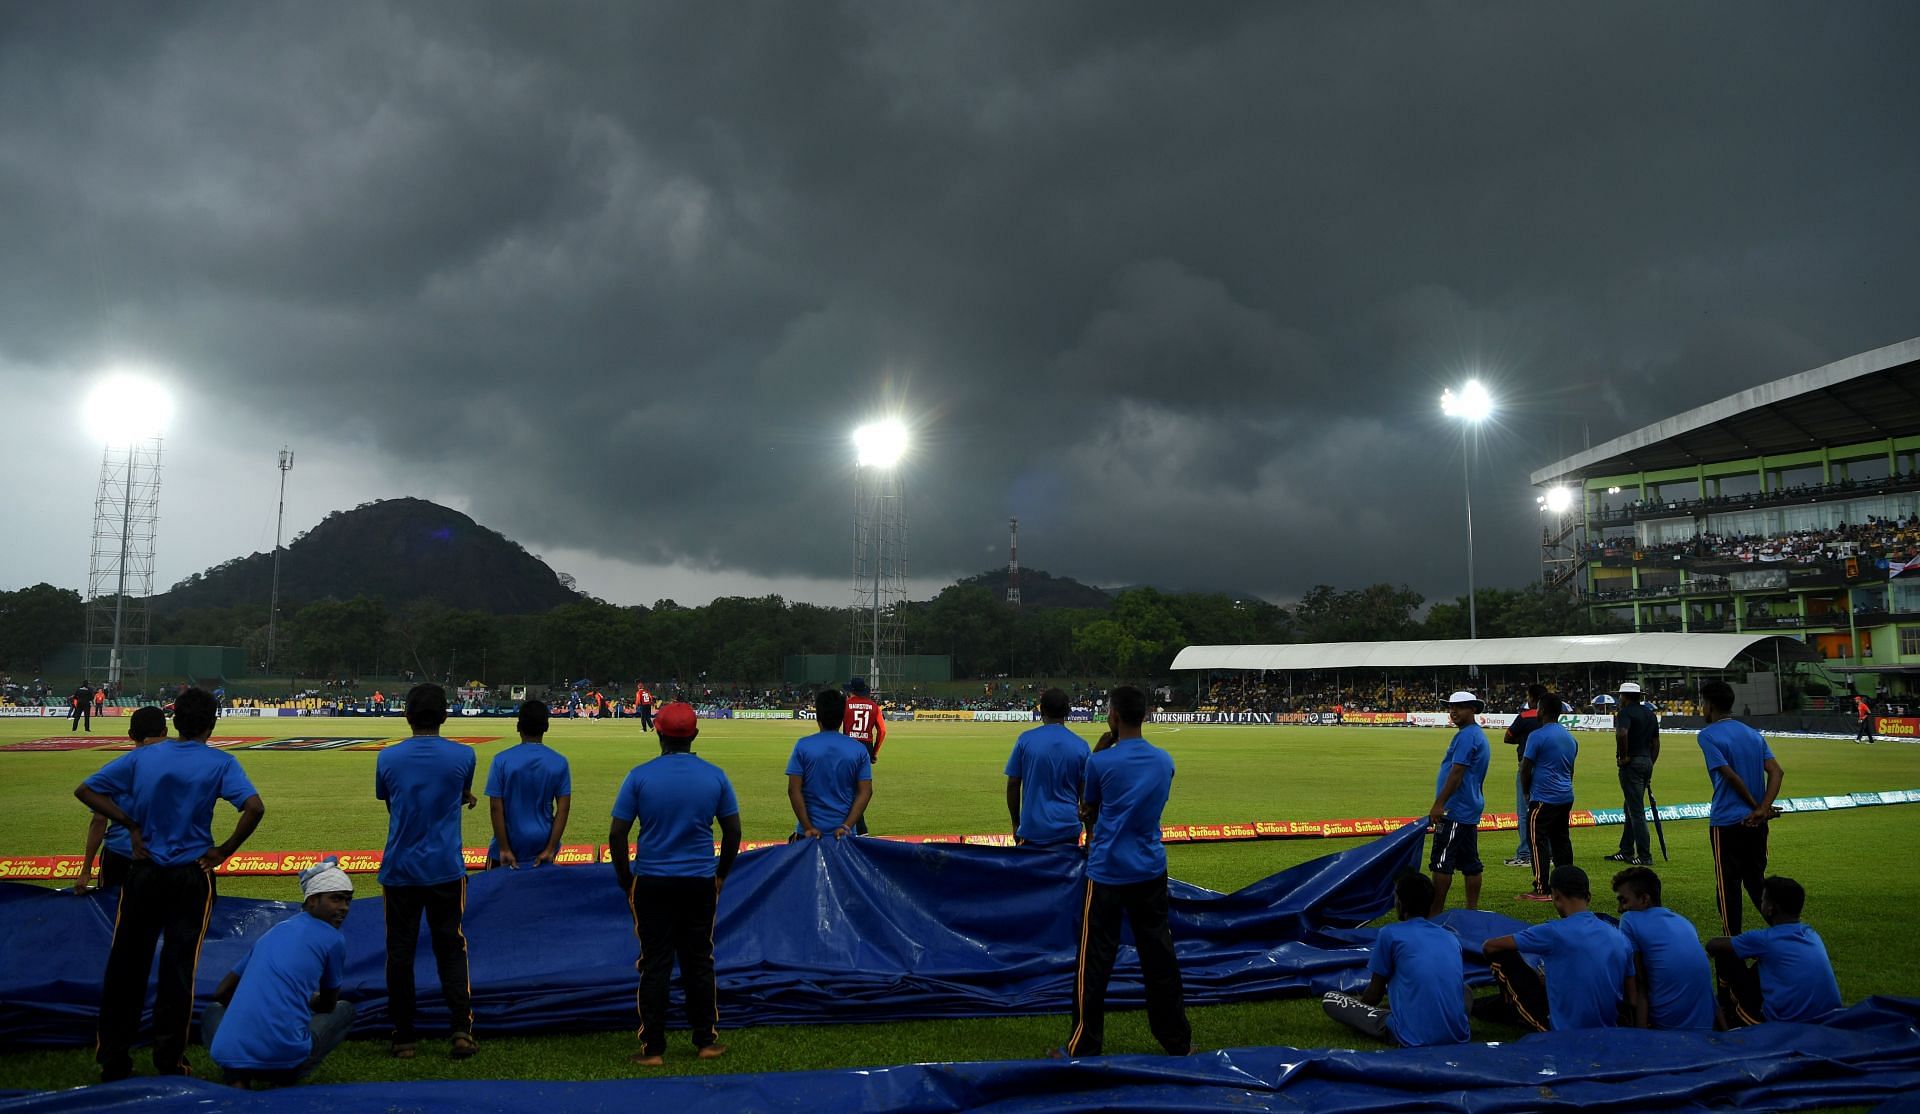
point(1896, 540)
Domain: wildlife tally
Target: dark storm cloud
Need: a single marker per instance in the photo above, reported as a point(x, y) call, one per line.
point(1177, 284)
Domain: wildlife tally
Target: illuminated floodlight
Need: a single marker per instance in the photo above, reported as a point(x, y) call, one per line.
point(880, 444)
point(125, 408)
point(1472, 404)
point(1557, 500)
point(1613, 491)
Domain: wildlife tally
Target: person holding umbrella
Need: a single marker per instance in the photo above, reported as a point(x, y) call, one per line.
point(1636, 747)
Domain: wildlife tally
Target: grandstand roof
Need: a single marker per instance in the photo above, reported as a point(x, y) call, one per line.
point(1692, 651)
point(1861, 398)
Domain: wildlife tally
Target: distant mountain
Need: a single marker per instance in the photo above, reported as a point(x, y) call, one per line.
point(1042, 589)
point(398, 550)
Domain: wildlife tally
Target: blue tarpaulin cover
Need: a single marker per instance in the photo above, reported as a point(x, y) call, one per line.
point(1863, 1056)
point(820, 931)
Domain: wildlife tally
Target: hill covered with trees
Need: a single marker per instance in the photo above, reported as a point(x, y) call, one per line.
point(397, 551)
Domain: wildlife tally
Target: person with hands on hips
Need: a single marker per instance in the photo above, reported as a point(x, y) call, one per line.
point(171, 788)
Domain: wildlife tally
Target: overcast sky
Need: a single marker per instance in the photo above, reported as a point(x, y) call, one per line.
point(1177, 284)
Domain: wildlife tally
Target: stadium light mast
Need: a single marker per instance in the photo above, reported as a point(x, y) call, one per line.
point(879, 549)
point(126, 413)
point(1472, 406)
point(273, 601)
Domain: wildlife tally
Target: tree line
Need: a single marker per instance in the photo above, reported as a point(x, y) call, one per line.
point(747, 639)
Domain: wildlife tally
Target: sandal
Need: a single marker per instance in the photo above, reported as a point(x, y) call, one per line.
point(401, 1050)
point(463, 1046)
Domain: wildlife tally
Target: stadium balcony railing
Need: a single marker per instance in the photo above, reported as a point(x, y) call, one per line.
point(1669, 508)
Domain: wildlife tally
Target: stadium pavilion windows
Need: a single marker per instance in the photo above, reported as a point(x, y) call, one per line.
point(1910, 642)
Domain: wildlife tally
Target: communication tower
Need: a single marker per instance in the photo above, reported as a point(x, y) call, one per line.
point(1013, 561)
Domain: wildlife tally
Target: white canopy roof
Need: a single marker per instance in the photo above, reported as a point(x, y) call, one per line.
point(1693, 651)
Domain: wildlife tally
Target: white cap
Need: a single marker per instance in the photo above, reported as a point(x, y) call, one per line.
point(1463, 697)
point(324, 877)
point(1630, 687)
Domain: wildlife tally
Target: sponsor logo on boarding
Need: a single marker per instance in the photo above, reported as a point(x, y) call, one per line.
point(474, 857)
point(40, 868)
point(997, 839)
point(34, 712)
point(576, 854)
point(1180, 717)
point(1369, 826)
point(762, 713)
point(949, 715)
point(1239, 831)
point(1581, 818)
point(1004, 717)
point(1175, 833)
point(1376, 719)
point(1338, 827)
point(1205, 831)
point(1904, 727)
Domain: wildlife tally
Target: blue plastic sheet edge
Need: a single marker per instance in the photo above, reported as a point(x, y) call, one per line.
point(1862, 1056)
point(821, 931)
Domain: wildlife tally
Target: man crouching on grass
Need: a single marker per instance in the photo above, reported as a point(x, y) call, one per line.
point(278, 1014)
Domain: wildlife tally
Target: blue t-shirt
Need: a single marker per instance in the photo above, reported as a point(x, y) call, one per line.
point(1129, 781)
point(1051, 763)
point(1679, 977)
point(1421, 962)
point(423, 780)
point(676, 798)
point(526, 777)
point(1587, 962)
point(171, 787)
point(1796, 977)
point(1733, 744)
point(268, 1026)
point(831, 767)
point(1468, 748)
point(1552, 749)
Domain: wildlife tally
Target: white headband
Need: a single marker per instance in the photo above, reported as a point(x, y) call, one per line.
point(324, 877)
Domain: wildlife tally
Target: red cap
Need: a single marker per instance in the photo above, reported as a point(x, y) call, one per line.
point(676, 720)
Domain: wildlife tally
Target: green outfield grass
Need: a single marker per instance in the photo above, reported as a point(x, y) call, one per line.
point(947, 778)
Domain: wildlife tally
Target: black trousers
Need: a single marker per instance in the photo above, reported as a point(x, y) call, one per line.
point(444, 905)
point(1522, 987)
point(1739, 860)
point(170, 903)
point(1863, 729)
point(673, 917)
point(113, 868)
point(1144, 905)
point(84, 711)
point(1741, 1002)
point(1552, 842)
point(646, 717)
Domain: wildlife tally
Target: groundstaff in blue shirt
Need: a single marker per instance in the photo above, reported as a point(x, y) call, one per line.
point(1126, 789)
point(106, 839)
point(673, 887)
point(1547, 771)
point(425, 780)
point(278, 1013)
point(169, 790)
point(1044, 774)
point(1589, 963)
point(1458, 796)
point(1674, 982)
point(1416, 966)
point(529, 793)
point(1790, 977)
point(1746, 780)
point(829, 776)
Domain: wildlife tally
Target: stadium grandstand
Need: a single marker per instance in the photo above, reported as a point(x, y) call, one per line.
point(1789, 509)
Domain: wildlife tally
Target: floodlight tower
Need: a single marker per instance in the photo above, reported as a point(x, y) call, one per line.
point(273, 601)
point(879, 551)
point(1562, 539)
point(1472, 406)
point(126, 414)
